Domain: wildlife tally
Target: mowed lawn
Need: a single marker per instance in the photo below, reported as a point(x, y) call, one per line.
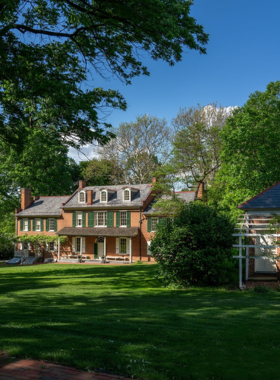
point(121, 319)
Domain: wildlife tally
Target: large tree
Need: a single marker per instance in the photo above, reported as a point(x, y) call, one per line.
point(250, 149)
point(140, 148)
point(197, 143)
point(49, 48)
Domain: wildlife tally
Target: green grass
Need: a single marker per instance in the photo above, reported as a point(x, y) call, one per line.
point(119, 317)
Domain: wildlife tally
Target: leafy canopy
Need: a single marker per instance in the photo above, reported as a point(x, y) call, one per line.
point(48, 48)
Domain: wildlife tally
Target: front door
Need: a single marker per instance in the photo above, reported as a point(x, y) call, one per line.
point(264, 264)
point(100, 250)
point(78, 245)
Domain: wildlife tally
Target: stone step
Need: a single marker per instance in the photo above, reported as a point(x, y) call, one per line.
point(259, 279)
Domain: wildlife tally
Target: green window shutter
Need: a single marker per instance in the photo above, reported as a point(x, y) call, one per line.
point(149, 221)
point(34, 224)
point(55, 224)
point(29, 225)
point(42, 224)
point(47, 224)
point(74, 219)
point(83, 219)
point(95, 251)
point(128, 219)
point(118, 219)
point(21, 224)
point(91, 219)
point(110, 219)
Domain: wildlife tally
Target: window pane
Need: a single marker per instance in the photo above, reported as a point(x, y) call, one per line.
point(101, 218)
point(123, 218)
point(126, 195)
point(123, 245)
point(154, 224)
point(79, 219)
point(26, 225)
point(78, 245)
point(103, 196)
point(52, 246)
point(38, 225)
point(51, 225)
point(82, 197)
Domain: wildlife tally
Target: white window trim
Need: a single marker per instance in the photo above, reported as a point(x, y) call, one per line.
point(77, 214)
point(129, 190)
point(105, 191)
point(50, 225)
point(152, 224)
point(82, 245)
point(96, 220)
point(118, 246)
point(39, 222)
point(79, 199)
point(25, 220)
point(121, 218)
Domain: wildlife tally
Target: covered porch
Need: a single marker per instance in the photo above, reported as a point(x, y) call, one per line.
point(95, 244)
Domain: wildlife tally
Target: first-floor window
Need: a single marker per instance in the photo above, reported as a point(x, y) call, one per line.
point(25, 224)
point(148, 247)
point(123, 218)
point(51, 227)
point(38, 225)
point(101, 218)
point(154, 224)
point(52, 246)
point(123, 245)
point(78, 245)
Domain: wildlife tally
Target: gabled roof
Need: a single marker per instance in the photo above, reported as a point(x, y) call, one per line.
point(187, 196)
point(268, 199)
point(45, 206)
point(115, 200)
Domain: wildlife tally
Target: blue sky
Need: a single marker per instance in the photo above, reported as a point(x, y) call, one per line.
point(243, 56)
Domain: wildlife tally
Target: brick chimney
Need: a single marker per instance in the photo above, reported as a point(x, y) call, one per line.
point(25, 198)
point(35, 197)
point(200, 191)
point(17, 210)
point(89, 197)
point(82, 184)
point(154, 179)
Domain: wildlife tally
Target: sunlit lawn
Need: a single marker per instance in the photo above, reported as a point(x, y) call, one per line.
point(119, 318)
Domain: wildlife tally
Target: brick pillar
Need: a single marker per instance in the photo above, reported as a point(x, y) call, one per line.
point(25, 198)
point(82, 184)
point(89, 197)
point(154, 179)
point(200, 191)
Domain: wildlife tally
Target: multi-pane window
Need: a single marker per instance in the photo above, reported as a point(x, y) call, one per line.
point(79, 219)
point(78, 245)
point(52, 246)
point(82, 197)
point(123, 218)
point(51, 226)
point(103, 196)
point(123, 245)
point(38, 225)
point(101, 218)
point(154, 224)
point(126, 195)
point(25, 225)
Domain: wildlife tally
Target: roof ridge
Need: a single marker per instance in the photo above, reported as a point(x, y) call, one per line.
point(53, 196)
point(256, 196)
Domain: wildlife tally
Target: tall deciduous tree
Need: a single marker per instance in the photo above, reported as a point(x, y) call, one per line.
point(197, 143)
point(48, 48)
point(250, 149)
point(98, 172)
point(139, 149)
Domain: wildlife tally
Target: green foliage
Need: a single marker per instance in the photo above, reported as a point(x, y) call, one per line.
point(250, 158)
point(40, 239)
point(195, 248)
point(48, 49)
point(262, 289)
point(6, 245)
point(98, 172)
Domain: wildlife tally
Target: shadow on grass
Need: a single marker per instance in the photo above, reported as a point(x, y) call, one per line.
point(120, 319)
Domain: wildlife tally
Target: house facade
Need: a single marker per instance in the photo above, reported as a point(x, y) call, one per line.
point(115, 223)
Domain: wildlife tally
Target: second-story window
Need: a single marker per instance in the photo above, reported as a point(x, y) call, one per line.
point(154, 224)
point(79, 219)
point(51, 225)
point(38, 225)
point(103, 196)
point(123, 219)
point(101, 219)
point(25, 224)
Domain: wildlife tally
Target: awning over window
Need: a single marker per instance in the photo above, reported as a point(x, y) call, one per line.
point(99, 231)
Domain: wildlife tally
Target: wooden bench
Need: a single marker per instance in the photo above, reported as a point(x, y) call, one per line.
point(117, 257)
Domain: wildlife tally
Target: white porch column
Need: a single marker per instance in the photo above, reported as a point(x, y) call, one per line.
point(104, 249)
point(130, 250)
point(247, 249)
point(58, 248)
point(240, 262)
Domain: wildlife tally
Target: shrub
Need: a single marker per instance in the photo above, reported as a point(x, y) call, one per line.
point(195, 248)
point(262, 289)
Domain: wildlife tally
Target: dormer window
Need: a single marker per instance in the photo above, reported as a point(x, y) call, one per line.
point(82, 197)
point(103, 197)
point(126, 195)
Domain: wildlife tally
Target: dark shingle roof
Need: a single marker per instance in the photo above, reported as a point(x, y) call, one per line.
point(187, 196)
point(268, 199)
point(45, 206)
point(115, 199)
point(99, 231)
